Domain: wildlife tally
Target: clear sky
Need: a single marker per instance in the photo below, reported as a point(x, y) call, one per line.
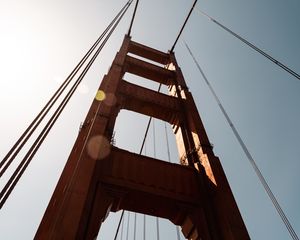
point(41, 42)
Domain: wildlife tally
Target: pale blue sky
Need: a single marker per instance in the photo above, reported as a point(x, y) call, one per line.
point(41, 41)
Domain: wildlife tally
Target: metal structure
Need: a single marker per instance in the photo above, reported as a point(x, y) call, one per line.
point(99, 177)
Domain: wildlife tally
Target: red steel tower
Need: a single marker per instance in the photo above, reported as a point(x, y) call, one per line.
point(99, 177)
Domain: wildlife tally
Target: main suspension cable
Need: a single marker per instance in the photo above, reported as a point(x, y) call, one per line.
point(247, 153)
point(280, 64)
point(19, 144)
point(187, 18)
point(133, 16)
point(11, 183)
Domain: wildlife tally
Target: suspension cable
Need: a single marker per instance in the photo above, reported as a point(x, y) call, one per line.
point(187, 18)
point(19, 144)
point(280, 64)
point(13, 180)
point(247, 153)
point(133, 16)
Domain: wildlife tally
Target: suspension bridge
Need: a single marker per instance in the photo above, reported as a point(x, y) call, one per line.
point(284, 73)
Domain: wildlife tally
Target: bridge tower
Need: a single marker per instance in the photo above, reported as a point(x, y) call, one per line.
point(99, 177)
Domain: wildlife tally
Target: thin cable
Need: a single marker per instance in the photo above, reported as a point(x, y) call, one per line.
point(133, 16)
point(187, 18)
point(145, 149)
point(145, 135)
point(128, 218)
point(144, 217)
point(11, 183)
point(167, 140)
point(134, 232)
point(248, 154)
point(144, 229)
point(283, 66)
point(154, 154)
point(19, 144)
point(157, 228)
point(154, 142)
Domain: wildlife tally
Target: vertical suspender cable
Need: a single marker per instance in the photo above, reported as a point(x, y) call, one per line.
point(154, 153)
point(144, 229)
point(248, 154)
point(154, 142)
point(157, 228)
point(134, 231)
point(283, 66)
point(167, 140)
point(128, 221)
point(145, 152)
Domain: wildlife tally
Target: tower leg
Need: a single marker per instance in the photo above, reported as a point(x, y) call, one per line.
point(100, 210)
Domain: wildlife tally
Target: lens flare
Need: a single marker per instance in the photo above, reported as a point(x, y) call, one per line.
point(100, 96)
point(98, 147)
point(110, 99)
